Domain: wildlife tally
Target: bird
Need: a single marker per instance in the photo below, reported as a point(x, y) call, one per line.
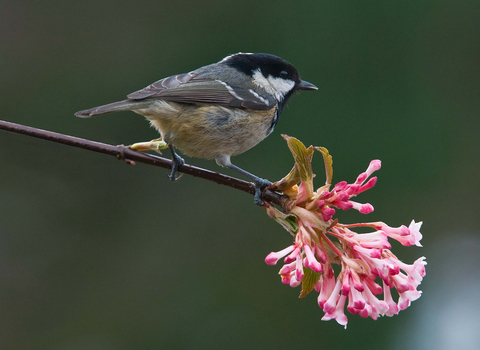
point(216, 111)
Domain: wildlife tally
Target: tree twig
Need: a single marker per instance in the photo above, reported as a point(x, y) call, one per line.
point(129, 155)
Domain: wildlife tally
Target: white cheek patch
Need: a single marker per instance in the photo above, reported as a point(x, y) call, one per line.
point(260, 80)
point(278, 87)
point(281, 85)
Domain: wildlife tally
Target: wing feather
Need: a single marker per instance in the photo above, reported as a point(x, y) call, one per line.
point(187, 88)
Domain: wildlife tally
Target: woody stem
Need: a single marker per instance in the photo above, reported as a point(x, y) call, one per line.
point(129, 155)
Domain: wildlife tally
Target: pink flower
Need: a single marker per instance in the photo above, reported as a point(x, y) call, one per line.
point(415, 232)
point(273, 257)
point(310, 260)
point(406, 235)
point(321, 241)
point(337, 313)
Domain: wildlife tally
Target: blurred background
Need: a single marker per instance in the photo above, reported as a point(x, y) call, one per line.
point(95, 254)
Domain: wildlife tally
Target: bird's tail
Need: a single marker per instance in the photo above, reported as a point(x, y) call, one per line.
point(125, 105)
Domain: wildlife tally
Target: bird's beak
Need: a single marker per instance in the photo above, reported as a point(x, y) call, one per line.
point(305, 85)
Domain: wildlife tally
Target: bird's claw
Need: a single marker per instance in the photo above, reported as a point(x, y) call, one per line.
point(260, 184)
point(177, 162)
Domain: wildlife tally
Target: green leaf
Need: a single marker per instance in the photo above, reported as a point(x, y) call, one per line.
point(309, 281)
point(327, 159)
point(290, 180)
point(292, 222)
point(288, 221)
point(303, 160)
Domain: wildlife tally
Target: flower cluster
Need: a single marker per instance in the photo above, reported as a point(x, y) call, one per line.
point(320, 241)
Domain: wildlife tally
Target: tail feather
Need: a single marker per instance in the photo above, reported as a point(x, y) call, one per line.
point(125, 105)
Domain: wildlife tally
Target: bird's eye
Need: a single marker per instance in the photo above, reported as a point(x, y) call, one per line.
point(284, 74)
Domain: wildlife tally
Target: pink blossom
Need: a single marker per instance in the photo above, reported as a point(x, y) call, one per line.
point(407, 297)
point(342, 185)
point(346, 284)
point(294, 282)
point(337, 313)
point(370, 183)
point(320, 255)
point(273, 257)
point(364, 258)
point(327, 213)
point(299, 268)
point(332, 300)
point(358, 302)
point(327, 285)
point(392, 306)
point(379, 307)
point(415, 232)
point(405, 235)
point(362, 208)
point(310, 260)
point(293, 255)
point(373, 166)
point(287, 268)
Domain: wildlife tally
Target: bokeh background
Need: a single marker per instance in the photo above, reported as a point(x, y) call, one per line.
point(95, 254)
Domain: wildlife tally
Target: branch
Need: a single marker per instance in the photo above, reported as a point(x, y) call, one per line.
point(129, 155)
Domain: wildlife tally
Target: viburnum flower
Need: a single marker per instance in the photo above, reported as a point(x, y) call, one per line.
point(367, 266)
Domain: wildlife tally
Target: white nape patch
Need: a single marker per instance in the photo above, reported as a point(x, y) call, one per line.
point(278, 87)
point(230, 89)
point(238, 53)
point(259, 97)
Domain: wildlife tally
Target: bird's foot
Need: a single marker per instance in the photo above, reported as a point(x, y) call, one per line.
point(177, 162)
point(260, 185)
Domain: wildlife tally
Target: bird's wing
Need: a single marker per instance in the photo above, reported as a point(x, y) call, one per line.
point(187, 88)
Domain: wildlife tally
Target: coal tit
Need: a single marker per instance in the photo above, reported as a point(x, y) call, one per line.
point(216, 111)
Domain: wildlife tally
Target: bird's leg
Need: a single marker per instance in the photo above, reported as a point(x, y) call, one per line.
point(259, 183)
point(154, 145)
point(177, 161)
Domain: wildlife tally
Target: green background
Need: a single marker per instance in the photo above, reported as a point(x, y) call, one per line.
point(95, 254)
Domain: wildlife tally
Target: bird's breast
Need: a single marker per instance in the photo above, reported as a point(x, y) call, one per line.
point(207, 131)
